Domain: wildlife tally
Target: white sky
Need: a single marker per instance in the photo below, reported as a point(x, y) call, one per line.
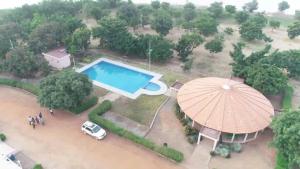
point(264, 5)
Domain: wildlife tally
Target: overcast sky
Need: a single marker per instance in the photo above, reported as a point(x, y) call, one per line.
point(264, 5)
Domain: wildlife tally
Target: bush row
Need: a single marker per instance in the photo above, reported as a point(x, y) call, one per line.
point(85, 105)
point(22, 85)
point(163, 150)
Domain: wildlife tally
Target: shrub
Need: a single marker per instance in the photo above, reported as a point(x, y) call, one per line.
point(165, 151)
point(187, 66)
point(2, 137)
point(179, 113)
point(38, 166)
point(192, 139)
point(228, 31)
point(235, 147)
point(22, 85)
point(184, 121)
point(223, 152)
point(85, 105)
point(287, 97)
point(188, 130)
point(102, 108)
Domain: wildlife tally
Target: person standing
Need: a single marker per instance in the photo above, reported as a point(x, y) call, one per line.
point(40, 115)
point(33, 123)
point(29, 120)
point(37, 120)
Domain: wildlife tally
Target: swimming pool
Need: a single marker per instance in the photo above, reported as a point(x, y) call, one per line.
point(123, 79)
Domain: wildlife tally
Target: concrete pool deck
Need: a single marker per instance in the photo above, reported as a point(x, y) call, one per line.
point(142, 90)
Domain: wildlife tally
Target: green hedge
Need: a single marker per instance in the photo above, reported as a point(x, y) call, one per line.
point(85, 105)
point(102, 108)
point(22, 85)
point(165, 151)
point(38, 166)
point(287, 97)
point(2, 137)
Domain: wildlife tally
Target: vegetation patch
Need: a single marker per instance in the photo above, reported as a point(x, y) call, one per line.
point(2, 137)
point(38, 166)
point(287, 97)
point(22, 85)
point(85, 105)
point(281, 162)
point(163, 150)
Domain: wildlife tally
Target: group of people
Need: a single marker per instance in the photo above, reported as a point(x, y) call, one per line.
point(39, 119)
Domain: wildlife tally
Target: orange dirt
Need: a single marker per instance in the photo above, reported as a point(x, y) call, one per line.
point(61, 145)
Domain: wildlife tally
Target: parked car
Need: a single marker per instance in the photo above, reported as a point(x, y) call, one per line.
point(93, 130)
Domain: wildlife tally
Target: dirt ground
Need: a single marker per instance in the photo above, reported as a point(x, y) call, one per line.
point(61, 145)
point(256, 154)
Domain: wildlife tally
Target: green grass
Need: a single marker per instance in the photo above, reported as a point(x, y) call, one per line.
point(287, 97)
point(85, 105)
point(165, 151)
point(140, 110)
point(22, 85)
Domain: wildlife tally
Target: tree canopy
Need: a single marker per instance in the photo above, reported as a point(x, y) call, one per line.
point(187, 43)
point(206, 25)
point(251, 6)
point(230, 9)
point(216, 9)
point(64, 90)
point(286, 129)
point(284, 5)
point(189, 12)
point(23, 63)
point(215, 45)
point(274, 24)
point(241, 16)
point(155, 4)
point(79, 41)
point(129, 12)
point(294, 30)
point(162, 22)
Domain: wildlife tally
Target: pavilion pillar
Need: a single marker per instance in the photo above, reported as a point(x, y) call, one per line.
point(199, 138)
point(184, 116)
point(193, 123)
point(255, 135)
point(215, 144)
point(232, 138)
point(246, 135)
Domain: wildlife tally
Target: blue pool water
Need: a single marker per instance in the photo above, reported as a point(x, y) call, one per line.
point(152, 87)
point(118, 77)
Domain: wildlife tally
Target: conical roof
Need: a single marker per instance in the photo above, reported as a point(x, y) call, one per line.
point(225, 105)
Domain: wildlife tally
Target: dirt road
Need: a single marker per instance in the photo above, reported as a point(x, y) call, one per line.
point(60, 144)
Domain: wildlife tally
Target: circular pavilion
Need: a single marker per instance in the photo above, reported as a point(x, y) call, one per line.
point(225, 110)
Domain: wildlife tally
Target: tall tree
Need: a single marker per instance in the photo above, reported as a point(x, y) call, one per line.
point(145, 11)
point(155, 4)
point(286, 129)
point(79, 41)
point(114, 35)
point(230, 9)
point(129, 13)
point(282, 6)
point(189, 12)
point(294, 30)
point(206, 25)
point(241, 16)
point(162, 22)
point(274, 24)
point(216, 9)
point(187, 43)
point(64, 90)
point(251, 6)
point(23, 63)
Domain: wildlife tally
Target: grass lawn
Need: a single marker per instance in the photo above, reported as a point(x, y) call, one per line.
point(141, 110)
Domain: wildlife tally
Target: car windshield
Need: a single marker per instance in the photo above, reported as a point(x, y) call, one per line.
point(96, 129)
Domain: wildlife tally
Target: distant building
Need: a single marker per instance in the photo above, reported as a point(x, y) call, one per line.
point(58, 58)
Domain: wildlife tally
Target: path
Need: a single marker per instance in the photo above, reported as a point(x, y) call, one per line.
point(61, 145)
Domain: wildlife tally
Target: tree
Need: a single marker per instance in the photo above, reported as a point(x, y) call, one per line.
point(251, 6)
point(241, 16)
point(206, 25)
point(46, 36)
point(129, 13)
point(297, 14)
point(145, 12)
point(23, 63)
point(230, 9)
point(165, 6)
point(160, 49)
point(113, 3)
point(96, 10)
point(162, 22)
point(155, 4)
point(294, 30)
point(187, 43)
point(286, 129)
point(9, 34)
point(228, 31)
point(215, 45)
point(79, 41)
point(289, 60)
point(189, 12)
point(252, 29)
point(64, 90)
point(216, 9)
point(239, 63)
point(266, 78)
point(274, 24)
point(282, 6)
point(114, 35)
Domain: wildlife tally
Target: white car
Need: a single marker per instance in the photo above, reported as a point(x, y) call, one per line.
point(93, 130)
